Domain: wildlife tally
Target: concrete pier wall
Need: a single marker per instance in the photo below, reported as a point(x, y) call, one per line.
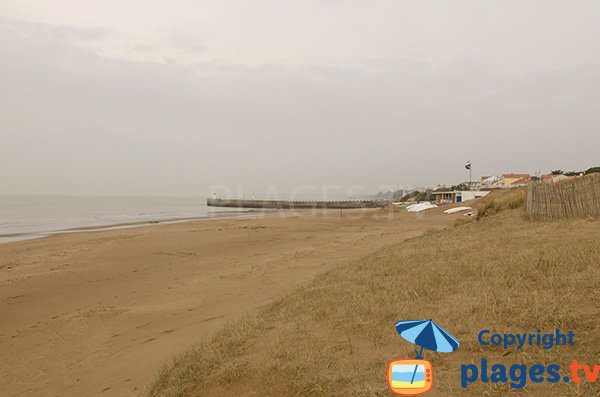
point(282, 204)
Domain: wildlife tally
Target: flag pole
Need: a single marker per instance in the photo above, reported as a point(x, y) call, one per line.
point(468, 166)
point(470, 179)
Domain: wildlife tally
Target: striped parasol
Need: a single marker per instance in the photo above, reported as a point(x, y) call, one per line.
point(427, 335)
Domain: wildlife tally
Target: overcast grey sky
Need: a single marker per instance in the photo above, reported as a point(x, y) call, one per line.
point(152, 97)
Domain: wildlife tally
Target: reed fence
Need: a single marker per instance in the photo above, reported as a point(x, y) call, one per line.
point(571, 199)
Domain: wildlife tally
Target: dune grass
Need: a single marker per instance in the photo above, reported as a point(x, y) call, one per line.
point(498, 201)
point(335, 335)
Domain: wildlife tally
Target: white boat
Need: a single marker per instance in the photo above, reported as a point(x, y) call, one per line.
point(457, 209)
point(422, 206)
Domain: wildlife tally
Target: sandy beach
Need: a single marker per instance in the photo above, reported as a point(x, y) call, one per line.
point(99, 313)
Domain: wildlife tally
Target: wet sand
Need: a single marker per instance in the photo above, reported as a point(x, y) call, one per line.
point(98, 313)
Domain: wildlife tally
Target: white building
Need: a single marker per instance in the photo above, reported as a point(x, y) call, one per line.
point(450, 197)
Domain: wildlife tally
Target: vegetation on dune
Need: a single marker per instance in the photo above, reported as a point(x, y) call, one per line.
point(462, 221)
point(500, 201)
point(335, 335)
point(591, 170)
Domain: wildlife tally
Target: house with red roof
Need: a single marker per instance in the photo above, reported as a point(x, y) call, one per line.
point(514, 180)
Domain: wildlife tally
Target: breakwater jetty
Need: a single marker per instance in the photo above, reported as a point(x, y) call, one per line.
point(296, 204)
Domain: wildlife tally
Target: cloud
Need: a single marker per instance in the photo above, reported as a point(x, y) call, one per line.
point(60, 33)
point(77, 122)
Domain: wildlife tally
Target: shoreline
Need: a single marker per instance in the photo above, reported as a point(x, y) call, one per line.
point(8, 238)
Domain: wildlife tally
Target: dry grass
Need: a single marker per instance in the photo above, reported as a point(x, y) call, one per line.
point(335, 335)
point(462, 221)
point(501, 200)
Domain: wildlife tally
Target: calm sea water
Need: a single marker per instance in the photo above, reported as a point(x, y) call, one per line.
point(26, 217)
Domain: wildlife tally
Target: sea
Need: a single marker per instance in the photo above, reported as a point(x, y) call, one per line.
point(29, 217)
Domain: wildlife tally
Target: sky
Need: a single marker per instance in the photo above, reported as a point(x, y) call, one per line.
point(272, 97)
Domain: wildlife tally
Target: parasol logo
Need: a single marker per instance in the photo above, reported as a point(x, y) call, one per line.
point(412, 377)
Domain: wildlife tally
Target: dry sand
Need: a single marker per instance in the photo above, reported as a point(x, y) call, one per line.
point(98, 313)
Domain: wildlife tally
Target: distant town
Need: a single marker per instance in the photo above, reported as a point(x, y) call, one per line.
point(468, 190)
